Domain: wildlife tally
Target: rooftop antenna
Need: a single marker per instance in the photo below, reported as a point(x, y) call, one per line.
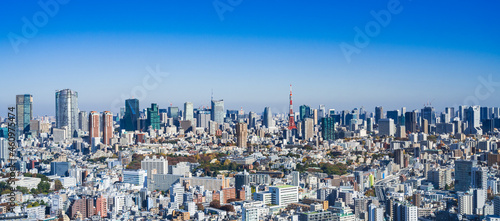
point(212, 96)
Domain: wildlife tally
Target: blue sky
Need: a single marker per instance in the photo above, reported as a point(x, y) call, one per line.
point(429, 51)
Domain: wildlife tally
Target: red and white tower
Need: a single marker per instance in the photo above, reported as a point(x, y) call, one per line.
point(291, 119)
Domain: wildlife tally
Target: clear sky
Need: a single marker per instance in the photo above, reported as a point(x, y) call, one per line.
point(249, 51)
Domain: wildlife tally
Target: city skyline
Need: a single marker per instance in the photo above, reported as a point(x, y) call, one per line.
point(282, 110)
point(414, 59)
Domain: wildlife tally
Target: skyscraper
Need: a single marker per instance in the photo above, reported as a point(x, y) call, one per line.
point(153, 119)
point(130, 121)
point(291, 115)
point(107, 127)
point(67, 110)
point(328, 128)
point(321, 111)
point(93, 126)
point(242, 134)
point(188, 111)
point(411, 121)
point(379, 113)
point(268, 118)
point(217, 111)
point(394, 115)
point(386, 127)
point(305, 112)
point(24, 109)
point(173, 112)
point(429, 114)
point(83, 121)
point(473, 120)
point(307, 128)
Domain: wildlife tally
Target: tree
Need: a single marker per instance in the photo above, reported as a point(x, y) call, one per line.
point(228, 208)
point(58, 185)
point(215, 204)
point(200, 206)
point(23, 190)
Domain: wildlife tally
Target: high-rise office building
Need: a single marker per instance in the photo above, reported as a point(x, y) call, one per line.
point(130, 120)
point(217, 111)
point(308, 128)
point(242, 134)
point(321, 111)
point(461, 113)
point(188, 111)
point(411, 121)
point(107, 127)
point(173, 112)
point(463, 174)
point(473, 120)
point(94, 124)
point(450, 111)
point(394, 115)
point(386, 127)
point(67, 110)
point(83, 121)
point(369, 124)
point(202, 118)
point(252, 119)
point(305, 112)
point(268, 118)
point(24, 113)
point(429, 114)
point(379, 113)
point(153, 118)
point(328, 128)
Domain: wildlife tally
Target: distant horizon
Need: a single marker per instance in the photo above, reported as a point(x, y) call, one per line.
point(282, 110)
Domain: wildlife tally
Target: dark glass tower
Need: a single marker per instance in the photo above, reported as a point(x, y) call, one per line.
point(328, 128)
point(24, 113)
point(130, 121)
point(153, 119)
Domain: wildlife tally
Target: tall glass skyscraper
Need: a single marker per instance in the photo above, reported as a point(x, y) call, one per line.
point(217, 111)
point(67, 110)
point(153, 119)
point(130, 121)
point(268, 117)
point(188, 111)
point(24, 113)
point(429, 114)
point(305, 112)
point(328, 128)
